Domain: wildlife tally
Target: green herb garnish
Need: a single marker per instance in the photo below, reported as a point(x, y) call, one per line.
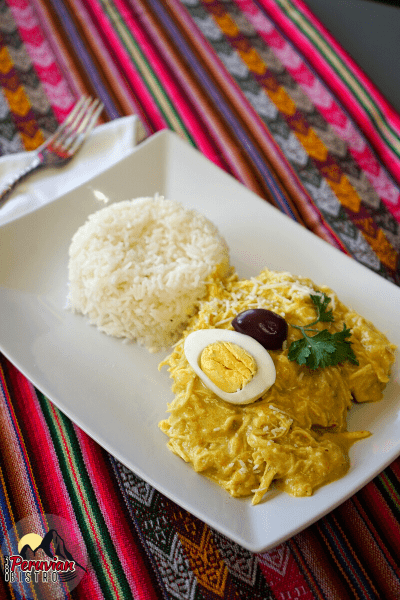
point(324, 349)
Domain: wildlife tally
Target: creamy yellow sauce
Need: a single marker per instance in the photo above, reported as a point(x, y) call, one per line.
point(296, 434)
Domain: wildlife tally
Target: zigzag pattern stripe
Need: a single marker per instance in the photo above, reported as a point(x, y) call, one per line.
point(194, 561)
point(309, 177)
point(21, 116)
point(289, 116)
point(27, 118)
point(54, 83)
point(327, 105)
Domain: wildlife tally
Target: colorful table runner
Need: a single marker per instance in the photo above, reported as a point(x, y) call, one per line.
point(263, 90)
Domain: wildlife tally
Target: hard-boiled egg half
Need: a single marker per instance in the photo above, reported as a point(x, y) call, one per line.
point(247, 355)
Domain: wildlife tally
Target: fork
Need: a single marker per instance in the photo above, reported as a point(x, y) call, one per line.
point(61, 147)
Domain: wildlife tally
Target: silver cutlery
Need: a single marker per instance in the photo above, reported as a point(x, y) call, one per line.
point(62, 146)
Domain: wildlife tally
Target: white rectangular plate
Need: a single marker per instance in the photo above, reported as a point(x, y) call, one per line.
point(114, 390)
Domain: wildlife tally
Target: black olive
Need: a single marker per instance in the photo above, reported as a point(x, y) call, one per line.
point(265, 326)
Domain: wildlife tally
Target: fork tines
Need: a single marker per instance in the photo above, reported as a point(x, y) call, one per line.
point(77, 126)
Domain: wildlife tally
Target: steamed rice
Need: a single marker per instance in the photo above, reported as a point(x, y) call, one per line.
point(137, 268)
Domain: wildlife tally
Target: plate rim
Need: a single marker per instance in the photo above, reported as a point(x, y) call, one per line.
point(169, 136)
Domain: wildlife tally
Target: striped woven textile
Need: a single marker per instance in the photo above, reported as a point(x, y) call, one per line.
point(262, 89)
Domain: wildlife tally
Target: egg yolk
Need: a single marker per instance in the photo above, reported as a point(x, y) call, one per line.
point(228, 366)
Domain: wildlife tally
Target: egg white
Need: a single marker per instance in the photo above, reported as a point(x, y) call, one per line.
point(263, 379)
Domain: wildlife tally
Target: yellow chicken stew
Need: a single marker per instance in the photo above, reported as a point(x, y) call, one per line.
point(295, 435)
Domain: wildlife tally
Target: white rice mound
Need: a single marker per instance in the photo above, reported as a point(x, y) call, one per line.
point(137, 268)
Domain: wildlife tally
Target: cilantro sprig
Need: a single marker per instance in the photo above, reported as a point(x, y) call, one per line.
point(323, 349)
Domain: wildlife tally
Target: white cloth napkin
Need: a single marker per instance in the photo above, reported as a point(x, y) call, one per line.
point(107, 144)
